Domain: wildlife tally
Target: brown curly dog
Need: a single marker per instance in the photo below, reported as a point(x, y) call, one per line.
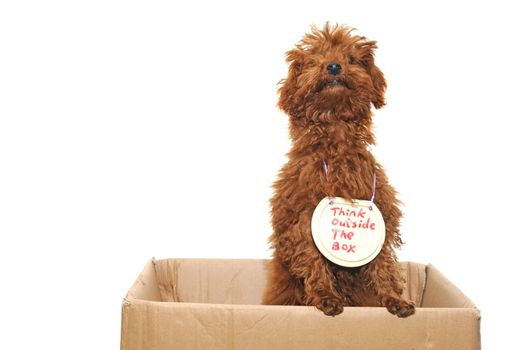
point(331, 86)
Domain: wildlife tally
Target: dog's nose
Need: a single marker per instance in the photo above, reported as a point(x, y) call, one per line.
point(334, 68)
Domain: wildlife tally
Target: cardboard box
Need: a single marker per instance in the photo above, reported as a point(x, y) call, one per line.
point(215, 304)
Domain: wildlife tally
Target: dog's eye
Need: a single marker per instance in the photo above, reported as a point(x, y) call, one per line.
point(351, 61)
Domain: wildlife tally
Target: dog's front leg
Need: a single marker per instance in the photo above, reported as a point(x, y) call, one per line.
point(319, 282)
point(386, 278)
point(384, 271)
point(307, 264)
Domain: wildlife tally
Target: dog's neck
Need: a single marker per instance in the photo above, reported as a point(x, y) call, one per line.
point(336, 135)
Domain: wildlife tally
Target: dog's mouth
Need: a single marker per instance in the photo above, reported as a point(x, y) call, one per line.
point(333, 84)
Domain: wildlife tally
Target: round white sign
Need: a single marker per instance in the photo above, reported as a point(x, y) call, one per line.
point(348, 233)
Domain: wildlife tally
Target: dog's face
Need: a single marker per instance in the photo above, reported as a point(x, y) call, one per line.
point(332, 76)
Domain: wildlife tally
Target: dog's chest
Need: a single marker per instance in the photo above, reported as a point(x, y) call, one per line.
point(345, 173)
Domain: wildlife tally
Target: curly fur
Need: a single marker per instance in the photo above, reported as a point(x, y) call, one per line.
point(330, 120)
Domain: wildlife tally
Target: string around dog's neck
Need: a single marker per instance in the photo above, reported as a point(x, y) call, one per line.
point(325, 167)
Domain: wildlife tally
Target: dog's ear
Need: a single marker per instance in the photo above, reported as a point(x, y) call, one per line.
point(379, 82)
point(295, 59)
point(378, 79)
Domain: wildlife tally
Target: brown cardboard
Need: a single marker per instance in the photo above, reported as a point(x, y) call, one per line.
point(215, 304)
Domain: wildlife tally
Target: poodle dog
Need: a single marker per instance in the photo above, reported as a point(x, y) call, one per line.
point(331, 86)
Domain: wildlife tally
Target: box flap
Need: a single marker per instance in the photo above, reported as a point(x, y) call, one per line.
point(221, 281)
point(146, 285)
point(415, 277)
point(440, 292)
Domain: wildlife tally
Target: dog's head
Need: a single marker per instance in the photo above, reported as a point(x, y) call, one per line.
point(332, 76)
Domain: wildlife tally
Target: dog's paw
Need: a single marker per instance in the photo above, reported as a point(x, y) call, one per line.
point(400, 308)
point(330, 306)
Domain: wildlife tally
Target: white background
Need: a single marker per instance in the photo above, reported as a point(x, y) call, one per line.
point(136, 129)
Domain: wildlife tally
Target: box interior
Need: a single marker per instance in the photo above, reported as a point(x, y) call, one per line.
point(242, 281)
